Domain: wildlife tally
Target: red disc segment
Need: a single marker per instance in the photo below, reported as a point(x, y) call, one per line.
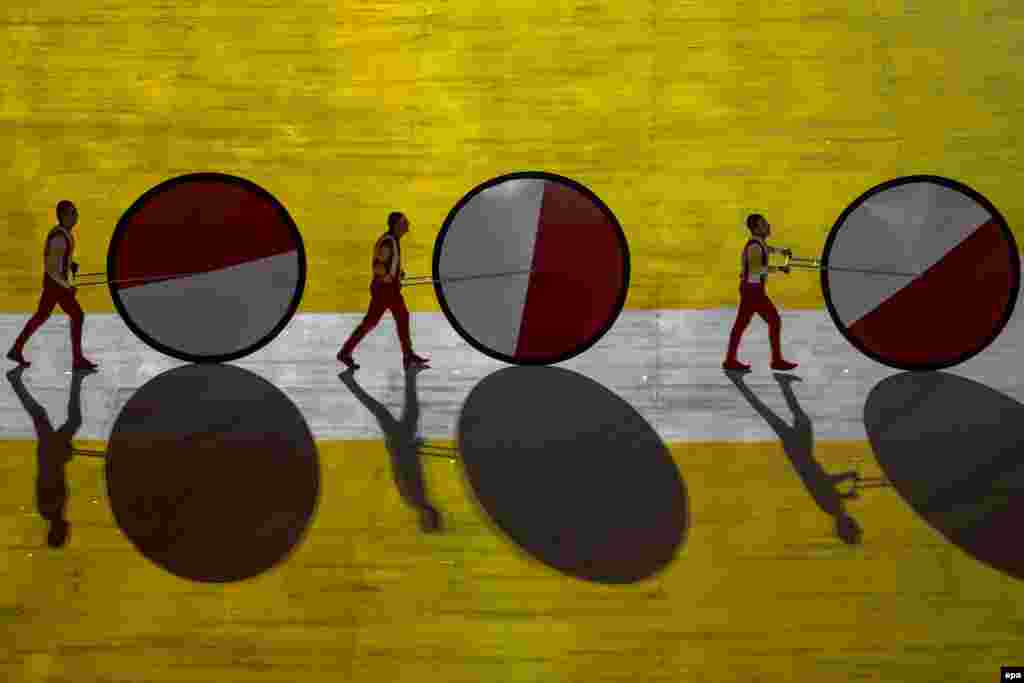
point(953, 308)
point(198, 226)
point(577, 277)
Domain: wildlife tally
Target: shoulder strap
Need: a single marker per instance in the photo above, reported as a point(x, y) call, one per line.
point(381, 241)
point(393, 265)
point(59, 231)
point(55, 232)
point(746, 266)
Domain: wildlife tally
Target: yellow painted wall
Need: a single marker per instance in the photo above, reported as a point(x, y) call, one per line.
point(682, 116)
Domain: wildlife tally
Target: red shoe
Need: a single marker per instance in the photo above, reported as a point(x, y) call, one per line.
point(782, 365)
point(84, 364)
point(17, 358)
point(736, 366)
point(347, 360)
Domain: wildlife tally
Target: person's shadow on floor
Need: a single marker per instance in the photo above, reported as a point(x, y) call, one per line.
point(53, 453)
point(403, 444)
point(798, 444)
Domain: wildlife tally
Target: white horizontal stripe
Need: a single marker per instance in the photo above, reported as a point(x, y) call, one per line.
point(666, 364)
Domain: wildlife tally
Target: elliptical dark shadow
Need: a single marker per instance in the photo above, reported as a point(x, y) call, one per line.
point(954, 449)
point(54, 451)
point(212, 473)
point(572, 474)
point(798, 445)
point(403, 445)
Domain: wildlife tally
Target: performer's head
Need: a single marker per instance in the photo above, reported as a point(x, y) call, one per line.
point(758, 225)
point(67, 214)
point(398, 224)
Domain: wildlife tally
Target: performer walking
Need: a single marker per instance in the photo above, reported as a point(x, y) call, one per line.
point(57, 257)
point(754, 299)
point(386, 294)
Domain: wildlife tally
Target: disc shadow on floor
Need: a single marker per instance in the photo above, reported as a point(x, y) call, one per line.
point(798, 445)
point(954, 450)
point(572, 474)
point(212, 473)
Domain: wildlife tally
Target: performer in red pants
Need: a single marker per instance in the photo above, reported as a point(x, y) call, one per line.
point(386, 294)
point(57, 253)
point(753, 298)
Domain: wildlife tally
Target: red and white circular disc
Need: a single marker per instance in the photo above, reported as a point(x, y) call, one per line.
point(531, 268)
point(206, 267)
point(945, 273)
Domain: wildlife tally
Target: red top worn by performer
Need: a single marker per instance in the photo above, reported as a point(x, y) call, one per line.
point(57, 255)
point(753, 298)
point(386, 294)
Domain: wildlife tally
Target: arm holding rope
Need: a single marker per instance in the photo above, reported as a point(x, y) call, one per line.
point(761, 267)
point(53, 261)
point(384, 257)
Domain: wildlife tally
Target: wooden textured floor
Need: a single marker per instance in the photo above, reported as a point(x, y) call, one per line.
point(683, 117)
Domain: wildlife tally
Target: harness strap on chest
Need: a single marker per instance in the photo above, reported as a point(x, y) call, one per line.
point(745, 275)
point(66, 259)
point(392, 264)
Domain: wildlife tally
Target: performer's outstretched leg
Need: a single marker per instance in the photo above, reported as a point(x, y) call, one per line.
point(401, 314)
point(378, 305)
point(47, 300)
point(74, 311)
point(743, 317)
point(771, 316)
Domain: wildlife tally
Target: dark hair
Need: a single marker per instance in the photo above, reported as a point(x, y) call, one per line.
point(62, 206)
point(393, 219)
point(753, 220)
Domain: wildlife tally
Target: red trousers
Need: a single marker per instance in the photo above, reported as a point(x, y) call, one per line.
point(383, 297)
point(753, 299)
point(54, 294)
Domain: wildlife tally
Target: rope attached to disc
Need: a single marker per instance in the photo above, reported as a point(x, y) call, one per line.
point(815, 264)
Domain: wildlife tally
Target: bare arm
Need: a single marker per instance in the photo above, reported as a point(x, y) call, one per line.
point(383, 256)
point(56, 255)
